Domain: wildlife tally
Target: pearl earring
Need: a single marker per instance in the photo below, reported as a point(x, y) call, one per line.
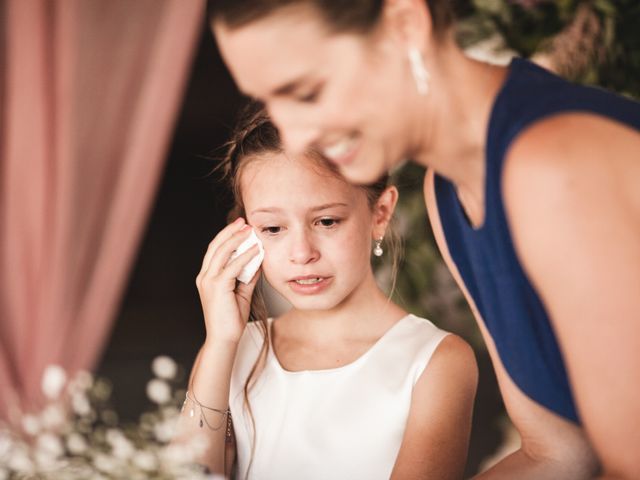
point(377, 249)
point(419, 71)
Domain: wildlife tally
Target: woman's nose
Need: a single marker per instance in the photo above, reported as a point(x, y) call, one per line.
point(297, 131)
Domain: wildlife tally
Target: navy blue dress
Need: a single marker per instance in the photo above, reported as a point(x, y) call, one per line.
point(486, 258)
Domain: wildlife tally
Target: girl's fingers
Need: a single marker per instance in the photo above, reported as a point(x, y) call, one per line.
point(245, 291)
point(233, 268)
point(223, 253)
point(222, 236)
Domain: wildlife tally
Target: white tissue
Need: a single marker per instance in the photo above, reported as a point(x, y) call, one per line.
point(252, 267)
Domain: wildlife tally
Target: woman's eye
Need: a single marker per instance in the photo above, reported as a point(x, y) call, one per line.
point(271, 230)
point(310, 96)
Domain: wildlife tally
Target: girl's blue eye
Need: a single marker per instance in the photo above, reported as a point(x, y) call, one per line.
point(271, 230)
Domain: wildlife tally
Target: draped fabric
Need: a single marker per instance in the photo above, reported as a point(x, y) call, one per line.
point(89, 92)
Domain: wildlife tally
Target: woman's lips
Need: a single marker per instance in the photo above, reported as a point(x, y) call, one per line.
point(341, 152)
point(309, 284)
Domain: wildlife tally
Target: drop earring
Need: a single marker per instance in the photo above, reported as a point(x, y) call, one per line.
point(419, 71)
point(377, 249)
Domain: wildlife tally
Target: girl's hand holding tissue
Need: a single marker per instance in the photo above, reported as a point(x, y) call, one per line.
point(234, 254)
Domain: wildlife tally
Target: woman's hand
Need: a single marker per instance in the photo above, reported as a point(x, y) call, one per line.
point(225, 301)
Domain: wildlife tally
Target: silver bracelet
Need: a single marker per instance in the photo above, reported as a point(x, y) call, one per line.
point(203, 419)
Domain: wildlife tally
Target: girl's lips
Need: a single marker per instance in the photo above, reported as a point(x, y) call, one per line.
point(308, 285)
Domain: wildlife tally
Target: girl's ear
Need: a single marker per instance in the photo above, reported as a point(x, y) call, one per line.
point(383, 211)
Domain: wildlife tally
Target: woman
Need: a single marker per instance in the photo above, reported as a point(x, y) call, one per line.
point(531, 191)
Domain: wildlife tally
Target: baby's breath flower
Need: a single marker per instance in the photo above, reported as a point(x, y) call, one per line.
point(31, 425)
point(52, 417)
point(158, 391)
point(80, 404)
point(20, 462)
point(53, 381)
point(76, 443)
point(105, 463)
point(146, 461)
point(121, 447)
point(164, 367)
point(165, 430)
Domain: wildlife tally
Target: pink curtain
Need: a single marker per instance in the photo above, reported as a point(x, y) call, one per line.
point(89, 92)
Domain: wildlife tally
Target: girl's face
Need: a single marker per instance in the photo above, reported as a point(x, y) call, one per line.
point(316, 229)
point(342, 94)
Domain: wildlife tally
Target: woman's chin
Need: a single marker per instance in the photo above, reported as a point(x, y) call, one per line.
point(362, 173)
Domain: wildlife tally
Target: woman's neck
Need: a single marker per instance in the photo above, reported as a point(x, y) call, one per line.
point(452, 120)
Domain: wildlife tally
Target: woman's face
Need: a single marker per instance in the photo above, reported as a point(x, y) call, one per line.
point(342, 94)
point(316, 230)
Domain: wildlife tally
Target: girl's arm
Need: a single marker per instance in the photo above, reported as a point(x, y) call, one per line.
point(226, 304)
point(572, 194)
point(436, 438)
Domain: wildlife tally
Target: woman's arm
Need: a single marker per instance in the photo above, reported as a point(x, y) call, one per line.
point(551, 447)
point(572, 192)
point(225, 304)
point(436, 438)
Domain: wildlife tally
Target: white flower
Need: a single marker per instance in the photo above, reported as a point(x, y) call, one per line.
point(105, 463)
point(165, 430)
point(30, 424)
point(80, 404)
point(53, 381)
point(121, 446)
point(52, 417)
point(164, 367)
point(76, 443)
point(175, 454)
point(20, 462)
point(158, 391)
point(81, 381)
point(50, 444)
point(145, 461)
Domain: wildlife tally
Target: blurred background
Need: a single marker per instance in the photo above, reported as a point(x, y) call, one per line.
point(152, 307)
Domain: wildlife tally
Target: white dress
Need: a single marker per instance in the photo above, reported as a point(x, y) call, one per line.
point(339, 423)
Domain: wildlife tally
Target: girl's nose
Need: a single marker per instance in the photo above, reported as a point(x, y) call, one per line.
point(303, 250)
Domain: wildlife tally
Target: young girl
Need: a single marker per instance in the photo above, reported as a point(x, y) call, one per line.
point(346, 384)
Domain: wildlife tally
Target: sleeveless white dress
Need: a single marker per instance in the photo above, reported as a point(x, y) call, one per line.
point(339, 423)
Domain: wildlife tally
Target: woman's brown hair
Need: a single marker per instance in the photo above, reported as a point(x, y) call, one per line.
point(339, 15)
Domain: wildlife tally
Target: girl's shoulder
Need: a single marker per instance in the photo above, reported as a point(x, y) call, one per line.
point(412, 342)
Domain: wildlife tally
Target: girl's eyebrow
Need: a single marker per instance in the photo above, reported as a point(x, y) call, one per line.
point(329, 205)
point(313, 209)
point(267, 210)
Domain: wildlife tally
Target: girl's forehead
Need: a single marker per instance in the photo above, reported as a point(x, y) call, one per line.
point(278, 178)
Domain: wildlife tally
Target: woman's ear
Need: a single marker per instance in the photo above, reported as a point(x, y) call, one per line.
point(383, 211)
point(408, 22)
